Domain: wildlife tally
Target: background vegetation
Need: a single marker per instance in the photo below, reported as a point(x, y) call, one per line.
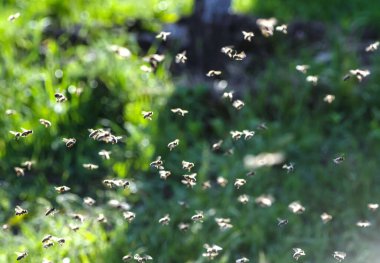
point(61, 46)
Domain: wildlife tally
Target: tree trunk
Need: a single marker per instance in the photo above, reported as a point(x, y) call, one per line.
point(209, 11)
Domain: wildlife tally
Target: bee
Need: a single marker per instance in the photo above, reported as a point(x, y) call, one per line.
point(5, 227)
point(298, 253)
point(75, 228)
point(266, 26)
point(243, 199)
point(28, 164)
point(288, 167)
point(158, 163)
point(239, 56)
point(129, 216)
point(282, 222)
point(329, 98)
point(250, 173)
point(50, 211)
point(312, 79)
point(248, 35)
point(179, 111)
point(16, 134)
point(109, 183)
point(48, 244)
point(181, 57)
point(62, 189)
point(146, 69)
point(283, 28)
point(89, 201)
point(127, 257)
point(236, 135)
point(248, 134)
point(339, 256)
point(206, 185)
point(59, 97)
point(13, 17)
point(239, 183)
point(46, 238)
point(105, 154)
point(147, 114)
point(326, 218)
point(164, 174)
point(198, 217)
point(90, 166)
point(187, 165)
point(142, 259)
point(173, 144)
point(339, 159)
point(228, 50)
point(363, 224)
point(213, 73)
point(122, 52)
point(264, 200)
point(19, 171)
point(163, 35)
point(189, 179)
point(20, 211)
point(60, 241)
point(228, 95)
point(10, 112)
point(211, 251)
point(217, 146)
point(372, 47)
point(221, 181)
point(78, 217)
point(238, 104)
point(224, 223)
point(101, 218)
point(165, 220)
point(21, 255)
point(262, 127)
point(183, 226)
point(154, 60)
point(242, 260)
point(296, 207)
point(302, 68)
point(69, 142)
point(359, 74)
point(45, 123)
point(26, 132)
point(373, 207)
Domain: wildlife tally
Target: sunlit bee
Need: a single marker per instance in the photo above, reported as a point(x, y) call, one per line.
point(5, 227)
point(142, 259)
point(59, 97)
point(239, 56)
point(119, 205)
point(373, 207)
point(101, 218)
point(211, 251)
point(181, 57)
point(239, 183)
point(282, 222)
point(60, 240)
point(217, 146)
point(78, 217)
point(9, 112)
point(105, 154)
point(224, 223)
point(165, 220)
point(198, 217)
point(48, 244)
point(339, 159)
point(360, 74)
point(221, 181)
point(45, 123)
point(248, 134)
point(89, 201)
point(228, 95)
point(20, 211)
point(372, 47)
point(62, 189)
point(283, 28)
point(25, 132)
point(19, 171)
point(213, 73)
point(69, 142)
point(163, 35)
point(28, 164)
point(46, 238)
point(189, 180)
point(75, 228)
point(326, 218)
point(21, 255)
point(238, 104)
point(339, 255)
point(122, 52)
point(302, 68)
point(129, 216)
point(16, 134)
point(266, 26)
point(248, 35)
point(146, 69)
point(244, 199)
point(158, 163)
point(94, 133)
point(183, 226)
point(154, 60)
point(187, 165)
point(312, 79)
point(127, 257)
point(236, 135)
point(228, 50)
point(298, 253)
point(242, 260)
point(50, 211)
point(363, 223)
point(179, 111)
point(13, 17)
point(206, 185)
point(264, 200)
point(173, 144)
point(296, 207)
point(288, 167)
point(164, 174)
point(329, 98)
point(147, 114)
point(90, 166)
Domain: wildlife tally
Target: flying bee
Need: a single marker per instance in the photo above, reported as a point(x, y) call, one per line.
point(188, 182)
point(228, 95)
point(105, 154)
point(89, 201)
point(329, 98)
point(45, 123)
point(10, 112)
point(75, 228)
point(339, 159)
point(13, 17)
point(179, 111)
point(19, 171)
point(211, 251)
point(69, 142)
point(183, 226)
point(283, 28)
point(163, 35)
point(250, 173)
point(90, 166)
point(20, 211)
point(198, 217)
point(122, 52)
point(158, 163)
point(16, 134)
point(288, 167)
point(238, 104)
point(94, 133)
point(298, 253)
point(48, 244)
point(217, 146)
point(154, 60)
point(46, 238)
point(228, 50)
point(266, 26)
point(173, 144)
point(302, 68)
point(236, 135)
point(50, 211)
point(312, 79)
point(206, 185)
point(60, 241)
point(239, 56)
point(373, 207)
point(372, 47)
point(26, 132)
point(187, 165)
point(339, 256)
point(242, 260)
point(248, 35)
point(224, 223)
point(239, 183)
point(243, 199)
point(164, 174)
point(264, 200)
point(28, 164)
point(5, 227)
point(165, 220)
point(127, 257)
point(296, 207)
point(129, 216)
point(282, 222)
point(147, 114)
point(360, 74)
point(248, 134)
point(62, 189)
point(326, 218)
point(213, 73)
point(101, 218)
point(146, 69)
point(221, 181)
point(142, 259)
point(59, 97)
point(21, 255)
point(363, 223)
point(78, 217)
point(181, 57)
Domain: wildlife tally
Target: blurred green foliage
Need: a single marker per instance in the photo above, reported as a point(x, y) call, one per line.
point(73, 37)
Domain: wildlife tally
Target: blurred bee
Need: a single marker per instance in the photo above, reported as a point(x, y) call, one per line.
point(189, 180)
point(127, 257)
point(89, 201)
point(213, 73)
point(181, 57)
point(242, 260)
point(248, 134)
point(312, 79)
point(221, 181)
point(19, 171)
point(158, 163)
point(147, 114)
point(236, 135)
point(264, 200)
point(142, 259)
point(105, 154)
point(78, 217)
point(363, 224)
point(326, 218)
point(165, 220)
point(129, 216)
point(239, 183)
point(60, 240)
point(206, 185)
point(329, 98)
point(75, 228)
point(302, 68)
point(21, 255)
point(298, 253)
point(50, 211)
point(59, 97)
point(62, 189)
point(48, 244)
point(20, 211)
point(183, 226)
point(217, 146)
point(154, 60)
point(94, 133)
point(25, 132)
point(69, 142)
point(339, 256)
point(28, 164)
point(163, 35)
point(122, 52)
point(243, 199)
point(228, 50)
point(16, 134)
point(46, 238)
point(373, 207)
point(239, 56)
point(187, 165)
point(211, 251)
point(10, 112)
point(164, 174)
point(359, 74)
point(296, 207)
point(250, 173)
point(339, 159)
point(13, 17)
point(101, 218)
point(5, 227)
point(198, 217)
point(119, 205)
point(283, 28)
point(238, 104)
point(372, 47)
point(224, 223)
point(262, 127)
point(248, 35)
point(45, 123)
point(228, 95)
point(282, 222)
point(180, 111)
point(146, 69)
point(173, 144)
point(90, 166)
point(288, 167)
point(266, 26)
